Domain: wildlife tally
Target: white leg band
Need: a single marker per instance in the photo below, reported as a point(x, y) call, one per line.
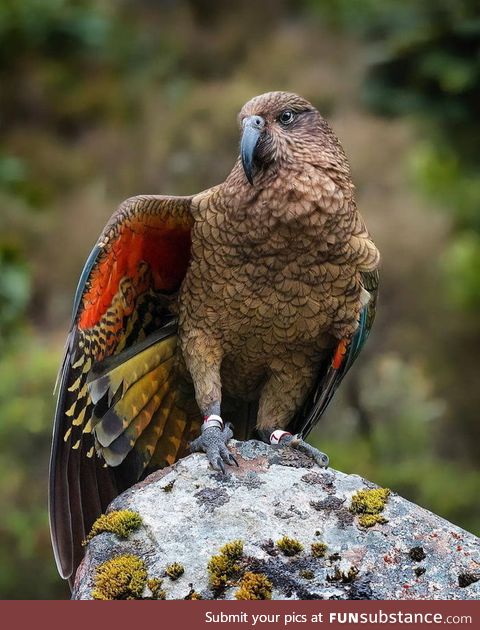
point(212, 421)
point(277, 435)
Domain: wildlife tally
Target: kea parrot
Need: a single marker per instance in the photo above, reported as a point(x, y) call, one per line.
point(233, 312)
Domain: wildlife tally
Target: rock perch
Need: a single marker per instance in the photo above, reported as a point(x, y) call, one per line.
point(277, 527)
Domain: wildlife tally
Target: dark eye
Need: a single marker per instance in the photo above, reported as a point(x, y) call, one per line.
point(286, 117)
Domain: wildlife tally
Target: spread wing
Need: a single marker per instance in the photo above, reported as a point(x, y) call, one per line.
point(119, 409)
point(341, 360)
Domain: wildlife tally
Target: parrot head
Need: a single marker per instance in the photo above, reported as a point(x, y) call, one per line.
point(282, 129)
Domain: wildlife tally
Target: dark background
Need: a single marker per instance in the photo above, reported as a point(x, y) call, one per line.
point(101, 100)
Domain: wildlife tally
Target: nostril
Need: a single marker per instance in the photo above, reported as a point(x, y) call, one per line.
point(254, 121)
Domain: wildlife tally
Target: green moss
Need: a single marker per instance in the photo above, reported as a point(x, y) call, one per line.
point(369, 504)
point(175, 570)
point(254, 586)
point(307, 574)
point(122, 577)
point(155, 586)
point(289, 546)
point(318, 550)
point(224, 567)
point(119, 522)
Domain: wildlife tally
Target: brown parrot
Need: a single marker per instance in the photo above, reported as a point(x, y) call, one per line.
point(246, 303)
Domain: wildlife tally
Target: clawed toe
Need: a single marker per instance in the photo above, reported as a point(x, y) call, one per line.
point(232, 460)
point(318, 457)
point(321, 459)
point(219, 465)
point(213, 442)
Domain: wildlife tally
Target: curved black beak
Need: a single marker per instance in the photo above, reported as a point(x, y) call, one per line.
point(252, 130)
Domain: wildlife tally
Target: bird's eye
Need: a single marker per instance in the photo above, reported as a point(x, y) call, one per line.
point(286, 117)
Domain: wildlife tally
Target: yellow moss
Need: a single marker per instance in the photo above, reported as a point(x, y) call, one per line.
point(341, 576)
point(318, 549)
point(233, 550)
point(289, 546)
point(195, 595)
point(155, 586)
point(175, 570)
point(369, 520)
point(307, 574)
point(350, 575)
point(119, 522)
point(254, 586)
point(223, 567)
point(369, 504)
point(122, 577)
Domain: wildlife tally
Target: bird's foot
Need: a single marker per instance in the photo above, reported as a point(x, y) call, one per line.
point(283, 438)
point(213, 441)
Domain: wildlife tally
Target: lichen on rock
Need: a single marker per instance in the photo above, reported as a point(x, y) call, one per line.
point(467, 578)
point(417, 554)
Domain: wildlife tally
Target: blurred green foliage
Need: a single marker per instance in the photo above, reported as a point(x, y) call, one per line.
point(425, 64)
point(14, 293)
point(26, 407)
point(105, 99)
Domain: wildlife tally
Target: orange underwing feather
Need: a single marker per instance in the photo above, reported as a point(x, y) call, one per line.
point(166, 255)
point(340, 353)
